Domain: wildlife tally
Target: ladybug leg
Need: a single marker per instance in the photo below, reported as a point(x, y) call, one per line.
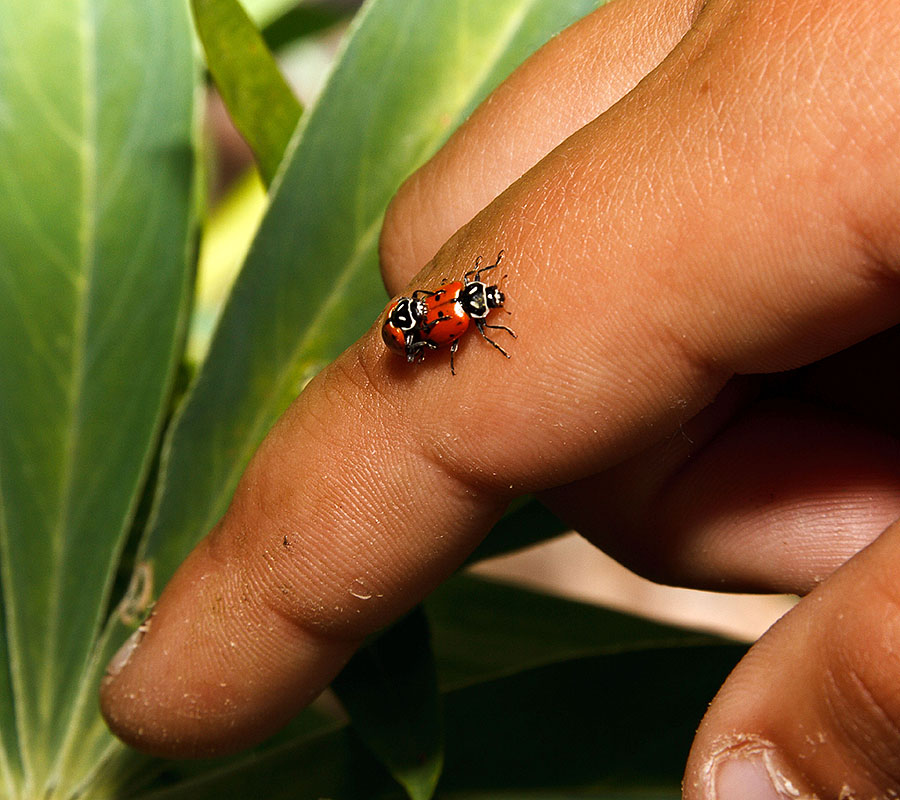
point(510, 331)
point(424, 292)
point(414, 351)
point(481, 326)
point(453, 348)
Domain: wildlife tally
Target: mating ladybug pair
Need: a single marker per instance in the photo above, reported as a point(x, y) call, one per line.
point(430, 320)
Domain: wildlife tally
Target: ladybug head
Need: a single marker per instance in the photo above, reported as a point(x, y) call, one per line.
point(494, 297)
point(406, 313)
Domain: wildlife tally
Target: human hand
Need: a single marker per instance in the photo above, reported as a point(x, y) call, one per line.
point(733, 214)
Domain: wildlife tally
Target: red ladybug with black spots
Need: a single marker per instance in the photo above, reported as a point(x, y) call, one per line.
point(401, 330)
point(444, 315)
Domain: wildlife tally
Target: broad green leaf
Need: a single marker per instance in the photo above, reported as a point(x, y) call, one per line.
point(260, 102)
point(332, 765)
point(616, 725)
point(130, 773)
point(606, 722)
point(389, 689)
point(482, 629)
point(96, 176)
point(310, 284)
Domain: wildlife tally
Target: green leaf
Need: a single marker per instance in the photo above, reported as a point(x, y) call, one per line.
point(310, 285)
point(610, 726)
point(260, 102)
point(131, 773)
point(623, 720)
point(483, 629)
point(332, 765)
point(389, 689)
point(96, 176)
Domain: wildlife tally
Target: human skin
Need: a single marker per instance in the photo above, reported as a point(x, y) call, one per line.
point(687, 195)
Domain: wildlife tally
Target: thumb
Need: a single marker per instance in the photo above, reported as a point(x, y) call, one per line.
point(813, 710)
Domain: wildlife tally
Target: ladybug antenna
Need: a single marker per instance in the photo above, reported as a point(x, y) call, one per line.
point(497, 262)
point(478, 269)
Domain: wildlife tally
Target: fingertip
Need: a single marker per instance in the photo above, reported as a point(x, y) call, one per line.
point(813, 707)
point(747, 767)
point(405, 245)
point(212, 671)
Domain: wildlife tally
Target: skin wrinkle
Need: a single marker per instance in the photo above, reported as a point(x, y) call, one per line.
point(301, 570)
point(876, 763)
point(363, 516)
point(348, 382)
point(844, 695)
point(875, 236)
point(643, 484)
point(774, 315)
point(311, 571)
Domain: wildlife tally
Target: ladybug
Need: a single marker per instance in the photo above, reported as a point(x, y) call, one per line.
point(449, 311)
point(401, 329)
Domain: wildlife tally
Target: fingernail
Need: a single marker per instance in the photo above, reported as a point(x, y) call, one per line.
point(753, 775)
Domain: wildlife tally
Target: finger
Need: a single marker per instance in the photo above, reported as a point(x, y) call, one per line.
point(382, 476)
point(769, 488)
point(813, 710)
point(573, 79)
point(774, 501)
